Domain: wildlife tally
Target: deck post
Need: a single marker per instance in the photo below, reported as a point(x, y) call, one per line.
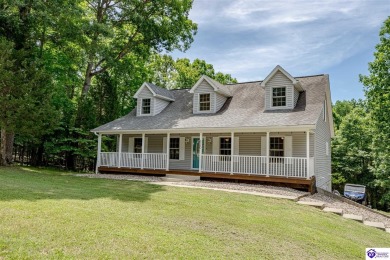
point(120, 151)
point(98, 153)
point(200, 151)
point(267, 174)
point(143, 151)
point(307, 154)
point(168, 146)
point(231, 152)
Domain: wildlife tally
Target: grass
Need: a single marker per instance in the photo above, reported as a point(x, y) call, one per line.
point(51, 214)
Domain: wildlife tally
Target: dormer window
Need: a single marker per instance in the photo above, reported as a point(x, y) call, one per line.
point(204, 102)
point(146, 106)
point(279, 97)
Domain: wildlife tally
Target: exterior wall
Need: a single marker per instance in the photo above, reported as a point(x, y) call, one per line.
point(216, 100)
point(279, 80)
point(296, 96)
point(249, 144)
point(322, 163)
point(145, 93)
point(159, 105)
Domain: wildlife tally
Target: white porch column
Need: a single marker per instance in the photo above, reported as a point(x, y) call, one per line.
point(120, 151)
point(168, 146)
point(231, 152)
point(143, 151)
point(267, 154)
point(307, 154)
point(98, 153)
point(200, 151)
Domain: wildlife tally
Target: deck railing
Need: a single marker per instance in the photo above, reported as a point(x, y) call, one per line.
point(134, 160)
point(242, 164)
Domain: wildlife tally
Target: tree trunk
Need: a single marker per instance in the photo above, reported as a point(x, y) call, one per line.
point(6, 147)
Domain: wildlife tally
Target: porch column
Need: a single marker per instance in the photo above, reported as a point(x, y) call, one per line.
point(267, 174)
point(143, 151)
point(120, 151)
point(98, 153)
point(231, 152)
point(168, 146)
point(307, 154)
point(200, 151)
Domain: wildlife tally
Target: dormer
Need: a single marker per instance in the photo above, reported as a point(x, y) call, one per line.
point(151, 99)
point(281, 90)
point(209, 95)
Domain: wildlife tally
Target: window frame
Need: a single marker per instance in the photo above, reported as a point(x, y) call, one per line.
point(285, 97)
point(204, 102)
point(143, 106)
point(271, 150)
point(175, 149)
point(225, 156)
point(137, 150)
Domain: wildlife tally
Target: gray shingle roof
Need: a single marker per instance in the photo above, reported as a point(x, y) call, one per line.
point(244, 109)
point(223, 89)
point(161, 91)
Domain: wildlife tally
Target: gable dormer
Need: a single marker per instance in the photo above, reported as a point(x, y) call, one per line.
point(209, 95)
point(151, 99)
point(281, 90)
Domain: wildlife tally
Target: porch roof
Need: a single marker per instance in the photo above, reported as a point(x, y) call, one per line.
point(245, 109)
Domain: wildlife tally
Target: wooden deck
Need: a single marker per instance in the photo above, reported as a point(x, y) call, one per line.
point(306, 184)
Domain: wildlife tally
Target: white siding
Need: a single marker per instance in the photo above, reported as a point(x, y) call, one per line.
point(145, 93)
point(159, 105)
point(322, 163)
point(220, 101)
point(296, 96)
point(279, 80)
point(205, 88)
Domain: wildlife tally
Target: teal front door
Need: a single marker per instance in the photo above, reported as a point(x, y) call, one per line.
point(195, 152)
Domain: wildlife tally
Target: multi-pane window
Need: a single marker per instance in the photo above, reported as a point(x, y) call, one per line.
point(276, 146)
point(146, 106)
point(279, 97)
point(137, 145)
point(174, 148)
point(204, 102)
point(225, 146)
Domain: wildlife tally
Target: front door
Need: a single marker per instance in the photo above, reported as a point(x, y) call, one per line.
point(195, 152)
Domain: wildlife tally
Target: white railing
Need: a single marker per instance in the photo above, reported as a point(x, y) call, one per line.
point(278, 166)
point(216, 163)
point(134, 160)
point(109, 159)
point(155, 160)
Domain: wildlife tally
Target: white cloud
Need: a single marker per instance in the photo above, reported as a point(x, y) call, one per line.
point(247, 38)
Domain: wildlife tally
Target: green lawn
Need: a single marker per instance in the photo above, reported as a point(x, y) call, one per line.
point(49, 214)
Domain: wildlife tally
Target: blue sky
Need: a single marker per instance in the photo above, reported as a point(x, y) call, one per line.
point(248, 38)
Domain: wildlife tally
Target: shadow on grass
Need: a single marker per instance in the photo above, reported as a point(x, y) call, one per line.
point(17, 183)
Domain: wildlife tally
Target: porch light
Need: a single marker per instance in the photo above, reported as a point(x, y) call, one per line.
point(209, 140)
point(187, 140)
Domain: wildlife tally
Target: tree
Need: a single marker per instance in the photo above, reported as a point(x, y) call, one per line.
point(377, 92)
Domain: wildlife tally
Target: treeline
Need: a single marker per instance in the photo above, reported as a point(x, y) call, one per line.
point(361, 148)
point(68, 66)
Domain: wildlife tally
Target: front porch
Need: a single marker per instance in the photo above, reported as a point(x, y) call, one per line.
point(279, 157)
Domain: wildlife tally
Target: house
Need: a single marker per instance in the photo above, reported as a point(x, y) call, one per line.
point(277, 131)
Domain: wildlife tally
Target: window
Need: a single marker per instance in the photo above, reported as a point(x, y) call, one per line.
point(279, 97)
point(225, 148)
point(146, 106)
point(276, 146)
point(204, 102)
point(137, 145)
point(174, 148)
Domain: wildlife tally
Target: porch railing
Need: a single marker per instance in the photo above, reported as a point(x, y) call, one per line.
point(257, 165)
point(134, 160)
point(242, 164)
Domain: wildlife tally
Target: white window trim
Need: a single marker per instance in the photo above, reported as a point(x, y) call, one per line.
point(272, 98)
point(211, 103)
point(169, 145)
point(141, 110)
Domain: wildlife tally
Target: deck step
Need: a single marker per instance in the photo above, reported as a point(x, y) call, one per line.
point(171, 179)
point(378, 225)
point(334, 210)
point(319, 205)
point(353, 217)
point(183, 177)
point(388, 230)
